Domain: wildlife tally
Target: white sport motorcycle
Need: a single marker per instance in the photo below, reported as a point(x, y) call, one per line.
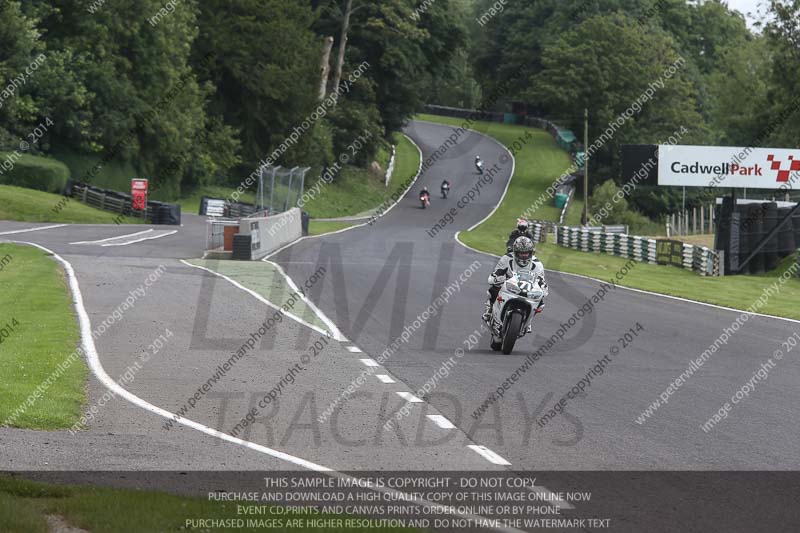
point(514, 308)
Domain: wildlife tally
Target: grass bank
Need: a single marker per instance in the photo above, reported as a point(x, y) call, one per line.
point(26, 505)
point(321, 227)
point(353, 191)
point(536, 171)
point(28, 205)
point(356, 191)
point(39, 332)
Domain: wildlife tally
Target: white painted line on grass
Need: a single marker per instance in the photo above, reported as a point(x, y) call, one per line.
point(142, 239)
point(335, 332)
point(370, 362)
point(258, 297)
point(385, 378)
point(488, 454)
point(114, 238)
point(441, 421)
point(41, 228)
point(354, 349)
point(407, 396)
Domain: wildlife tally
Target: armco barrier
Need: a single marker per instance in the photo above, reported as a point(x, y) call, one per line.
point(120, 202)
point(695, 258)
point(267, 234)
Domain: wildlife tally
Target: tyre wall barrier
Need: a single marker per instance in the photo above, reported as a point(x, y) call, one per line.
point(698, 259)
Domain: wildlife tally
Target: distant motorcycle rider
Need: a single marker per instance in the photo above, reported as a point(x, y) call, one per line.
point(445, 188)
point(520, 258)
point(523, 230)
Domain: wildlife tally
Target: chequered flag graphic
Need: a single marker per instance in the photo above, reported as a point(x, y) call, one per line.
point(783, 175)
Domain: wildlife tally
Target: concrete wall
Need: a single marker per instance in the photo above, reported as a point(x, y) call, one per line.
point(270, 233)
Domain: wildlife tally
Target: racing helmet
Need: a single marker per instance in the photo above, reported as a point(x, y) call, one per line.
point(523, 251)
point(522, 225)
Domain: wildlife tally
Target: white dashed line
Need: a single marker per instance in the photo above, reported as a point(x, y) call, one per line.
point(488, 454)
point(354, 349)
point(407, 396)
point(385, 379)
point(370, 362)
point(442, 422)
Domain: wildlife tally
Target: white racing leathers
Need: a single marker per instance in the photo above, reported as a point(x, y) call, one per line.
point(506, 268)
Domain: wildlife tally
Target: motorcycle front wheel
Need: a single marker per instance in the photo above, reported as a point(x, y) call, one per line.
point(511, 332)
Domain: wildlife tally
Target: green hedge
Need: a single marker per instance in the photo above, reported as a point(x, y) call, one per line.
point(33, 172)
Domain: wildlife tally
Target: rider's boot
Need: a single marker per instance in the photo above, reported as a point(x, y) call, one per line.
point(487, 314)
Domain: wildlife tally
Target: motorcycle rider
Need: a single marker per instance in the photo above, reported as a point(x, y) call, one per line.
point(479, 163)
point(425, 195)
point(520, 258)
point(523, 230)
point(445, 186)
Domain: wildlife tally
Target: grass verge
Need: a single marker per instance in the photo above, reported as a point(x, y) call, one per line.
point(539, 162)
point(355, 191)
point(28, 205)
point(321, 227)
point(39, 332)
point(264, 279)
point(738, 292)
point(25, 505)
point(535, 172)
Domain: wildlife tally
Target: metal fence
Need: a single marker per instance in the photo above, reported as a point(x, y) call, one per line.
point(698, 220)
point(279, 188)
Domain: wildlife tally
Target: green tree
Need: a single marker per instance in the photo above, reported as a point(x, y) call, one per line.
point(626, 75)
point(263, 62)
point(19, 46)
point(142, 101)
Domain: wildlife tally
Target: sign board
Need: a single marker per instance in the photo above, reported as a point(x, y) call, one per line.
point(725, 166)
point(139, 193)
point(255, 236)
point(669, 252)
point(215, 208)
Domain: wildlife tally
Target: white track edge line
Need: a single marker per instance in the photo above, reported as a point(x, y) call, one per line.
point(399, 199)
point(511, 177)
point(13, 232)
point(669, 296)
point(143, 239)
point(335, 332)
point(93, 360)
point(97, 368)
point(257, 297)
point(114, 238)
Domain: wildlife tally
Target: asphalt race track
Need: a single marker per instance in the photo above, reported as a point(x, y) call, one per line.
point(380, 278)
